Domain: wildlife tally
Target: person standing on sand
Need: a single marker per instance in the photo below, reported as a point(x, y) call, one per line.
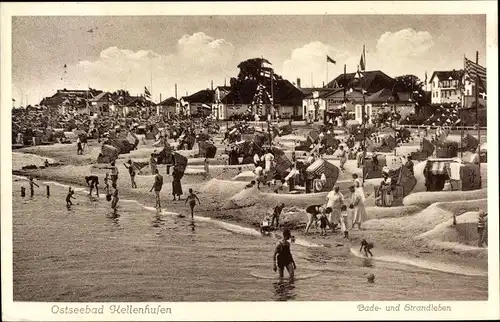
point(131, 172)
point(335, 200)
point(192, 198)
point(176, 183)
point(481, 228)
point(79, 147)
point(69, 196)
point(206, 167)
point(157, 185)
point(276, 214)
point(357, 206)
point(152, 163)
point(344, 221)
point(282, 257)
point(358, 185)
point(343, 157)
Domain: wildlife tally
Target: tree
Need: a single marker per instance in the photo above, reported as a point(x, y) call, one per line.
point(252, 73)
point(410, 84)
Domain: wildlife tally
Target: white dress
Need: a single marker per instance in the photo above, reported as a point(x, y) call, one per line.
point(359, 211)
point(359, 188)
point(335, 201)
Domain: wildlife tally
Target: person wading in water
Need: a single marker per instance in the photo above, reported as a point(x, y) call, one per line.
point(158, 184)
point(131, 172)
point(282, 257)
point(192, 198)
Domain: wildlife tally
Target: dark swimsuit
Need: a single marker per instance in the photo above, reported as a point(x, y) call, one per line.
point(284, 255)
point(158, 183)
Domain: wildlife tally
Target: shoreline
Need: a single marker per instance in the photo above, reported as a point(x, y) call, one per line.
point(211, 207)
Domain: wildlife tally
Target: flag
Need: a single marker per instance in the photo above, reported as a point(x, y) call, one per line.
point(472, 70)
point(330, 60)
point(13, 100)
point(358, 74)
point(146, 92)
point(481, 87)
point(362, 61)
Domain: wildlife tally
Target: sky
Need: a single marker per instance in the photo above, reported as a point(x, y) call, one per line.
point(131, 52)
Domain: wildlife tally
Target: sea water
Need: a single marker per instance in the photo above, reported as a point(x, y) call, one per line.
point(91, 253)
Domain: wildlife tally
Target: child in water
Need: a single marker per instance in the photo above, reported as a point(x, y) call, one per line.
point(283, 256)
point(192, 201)
point(365, 247)
point(69, 196)
point(32, 188)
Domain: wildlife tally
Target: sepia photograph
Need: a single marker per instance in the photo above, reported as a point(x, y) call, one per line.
point(213, 157)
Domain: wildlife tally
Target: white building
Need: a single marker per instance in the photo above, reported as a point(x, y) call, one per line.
point(445, 87)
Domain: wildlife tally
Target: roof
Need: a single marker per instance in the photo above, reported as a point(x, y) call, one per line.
point(309, 90)
point(386, 95)
point(98, 97)
point(373, 81)
point(171, 101)
point(203, 96)
point(444, 75)
point(284, 93)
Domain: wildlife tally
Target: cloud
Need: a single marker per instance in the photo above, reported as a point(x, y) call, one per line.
point(193, 63)
point(402, 52)
point(311, 59)
point(404, 43)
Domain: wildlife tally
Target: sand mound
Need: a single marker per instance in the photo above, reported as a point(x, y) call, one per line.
point(253, 196)
point(465, 232)
point(222, 188)
point(391, 212)
point(428, 198)
point(424, 220)
point(245, 176)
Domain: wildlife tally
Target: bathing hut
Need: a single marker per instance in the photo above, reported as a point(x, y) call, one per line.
point(459, 175)
point(318, 167)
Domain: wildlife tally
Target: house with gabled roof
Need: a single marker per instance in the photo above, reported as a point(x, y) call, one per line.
point(240, 100)
point(169, 106)
point(199, 103)
point(372, 81)
point(445, 86)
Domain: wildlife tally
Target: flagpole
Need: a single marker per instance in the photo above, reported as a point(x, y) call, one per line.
point(477, 102)
point(462, 115)
point(345, 85)
point(326, 73)
point(477, 118)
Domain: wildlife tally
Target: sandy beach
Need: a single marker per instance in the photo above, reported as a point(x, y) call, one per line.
point(394, 230)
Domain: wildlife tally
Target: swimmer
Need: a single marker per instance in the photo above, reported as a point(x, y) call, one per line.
point(192, 201)
point(283, 256)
